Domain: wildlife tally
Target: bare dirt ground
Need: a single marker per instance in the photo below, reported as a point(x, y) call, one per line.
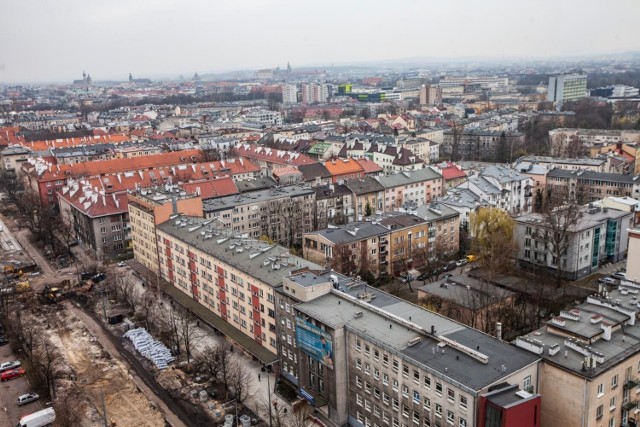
point(91, 369)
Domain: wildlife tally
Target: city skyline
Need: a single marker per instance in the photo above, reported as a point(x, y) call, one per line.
point(149, 39)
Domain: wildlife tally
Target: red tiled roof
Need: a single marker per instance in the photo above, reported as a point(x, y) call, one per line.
point(93, 201)
point(369, 166)
point(74, 142)
point(213, 188)
point(112, 166)
point(452, 172)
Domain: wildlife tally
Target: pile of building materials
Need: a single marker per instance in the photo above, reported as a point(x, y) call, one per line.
point(150, 348)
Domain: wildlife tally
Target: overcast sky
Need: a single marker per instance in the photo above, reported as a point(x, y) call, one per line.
point(55, 40)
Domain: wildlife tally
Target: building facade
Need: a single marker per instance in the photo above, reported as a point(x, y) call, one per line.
point(567, 87)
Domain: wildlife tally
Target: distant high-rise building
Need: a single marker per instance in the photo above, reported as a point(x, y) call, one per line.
point(567, 87)
point(315, 92)
point(289, 94)
point(430, 95)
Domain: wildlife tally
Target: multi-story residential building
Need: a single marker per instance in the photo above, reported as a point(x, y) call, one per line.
point(231, 276)
point(434, 134)
point(367, 196)
point(567, 87)
point(363, 357)
point(585, 186)
point(151, 206)
point(265, 118)
point(597, 237)
point(430, 95)
point(315, 92)
point(392, 243)
point(266, 158)
point(13, 157)
point(584, 163)
point(478, 144)
point(97, 220)
point(282, 214)
point(289, 94)
point(334, 205)
point(590, 361)
point(452, 174)
point(344, 169)
point(591, 137)
point(418, 187)
point(394, 158)
point(503, 188)
point(47, 179)
point(351, 248)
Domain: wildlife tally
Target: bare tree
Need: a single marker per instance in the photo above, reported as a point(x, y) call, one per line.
point(240, 379)
point(69, 408)
point(457, 129)
point(343, 259)
point(209, 360)
point(180, 325)
point(47, 362)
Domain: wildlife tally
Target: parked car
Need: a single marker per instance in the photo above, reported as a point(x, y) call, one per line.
point(121, 264)
point(406, 277)
point(447, 275)
point(461, 262)
point(619, 275)
point(450, 266)
point(14, 373)
point(27, 398)
point(424, 276)
point(9, 365)
point(3, 341)
point(608, 281)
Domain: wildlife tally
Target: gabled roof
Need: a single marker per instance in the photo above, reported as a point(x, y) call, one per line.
point(369, 166)
point(313, 171)
point(364, 185)
point(408, 177)
point(271, 155)
point(343, 167)
point(213, 188)
point(352, 232)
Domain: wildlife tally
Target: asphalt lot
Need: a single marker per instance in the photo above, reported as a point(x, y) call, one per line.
point(9, 392)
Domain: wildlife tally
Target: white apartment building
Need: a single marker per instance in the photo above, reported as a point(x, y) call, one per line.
point(289, 94)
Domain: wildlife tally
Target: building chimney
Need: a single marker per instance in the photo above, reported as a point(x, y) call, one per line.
point(499, 330)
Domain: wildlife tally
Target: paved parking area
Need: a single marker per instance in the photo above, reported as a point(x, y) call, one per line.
point(10, 412)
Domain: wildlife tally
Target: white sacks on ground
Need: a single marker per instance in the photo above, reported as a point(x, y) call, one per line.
point(151, 349)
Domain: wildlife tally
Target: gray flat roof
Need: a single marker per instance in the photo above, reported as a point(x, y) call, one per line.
point(229, 202)
point(385, 319)
point(584, 325)
point(467, 291)
point(267, 263)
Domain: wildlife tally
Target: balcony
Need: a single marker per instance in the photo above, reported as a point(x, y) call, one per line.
point(630, 383)
point(630, 405)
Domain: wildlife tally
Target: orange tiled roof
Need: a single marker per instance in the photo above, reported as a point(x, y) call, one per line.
point(93, 201)
point(112, 166)
point(343, 166)
point(213, 188)
point(8, 135)
point(73, 142)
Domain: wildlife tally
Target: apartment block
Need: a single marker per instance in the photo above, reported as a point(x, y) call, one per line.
point(584, 186)
point(151, 206)
point(599, 236)
point(567, 87)
point(282, 214)
point(590, 370)
point(232, 276)
point(367, 358)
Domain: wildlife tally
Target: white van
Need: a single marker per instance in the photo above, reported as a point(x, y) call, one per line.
point(38, 419)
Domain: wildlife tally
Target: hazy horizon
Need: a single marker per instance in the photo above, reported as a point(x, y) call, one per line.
point(46, 41)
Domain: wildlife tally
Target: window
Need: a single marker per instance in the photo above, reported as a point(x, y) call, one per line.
point(614, 381)
point(376, 411)
point(367, 350)
point(427, 382)
point(463, 402)
point(450, 417)
point(416, 417)
point(599, 412)
point(600, 390)
point(385, 379)
point(526, 384)
point(395, 404)
point(405, 411)
point(612, 422)
point(358, 345)
point(395, 385)
point(385, 398)
point(376, 355)
point(416, 376)
point(385, 360)
point(451, 395)
point(358, 364)
point(376, 393)
point(358, 381)
point(359, 400)
point(427, 404)
point(376, 373)
point(438, 410)
point(438, 388)
point(405, 371)
point(395, 365)
point(367, 387)
point(367, 406)
point(416, 396)
point(367, 369)
point(463, 422)
point(612, 403)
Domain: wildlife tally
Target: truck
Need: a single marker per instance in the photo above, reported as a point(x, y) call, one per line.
point(38, 419)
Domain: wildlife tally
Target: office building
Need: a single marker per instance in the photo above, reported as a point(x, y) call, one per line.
point(567, 87)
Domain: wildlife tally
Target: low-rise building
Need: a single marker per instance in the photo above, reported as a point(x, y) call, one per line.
point(585, 186)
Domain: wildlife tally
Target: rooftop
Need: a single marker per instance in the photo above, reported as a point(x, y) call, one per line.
point(259, 196)
point(264, 262)
point(592, 337)
point(464, 355)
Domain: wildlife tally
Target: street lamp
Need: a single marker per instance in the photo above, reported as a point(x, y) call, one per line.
point(264, 369)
